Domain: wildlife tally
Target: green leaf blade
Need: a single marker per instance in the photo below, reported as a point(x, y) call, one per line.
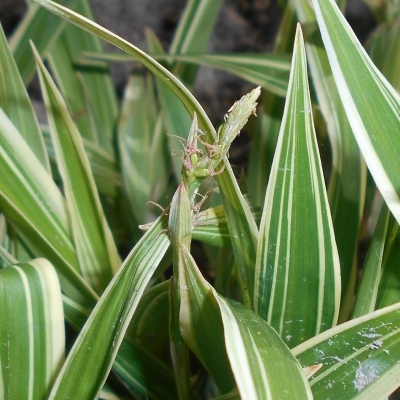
point(91, 358)
point(89, 92)
point(31, 201)
point(192, 34)
point(258, 356)
point(140, 142)
point(96, 250)
point(32, 329)
point(201, 324)
point(371, 103)
point(296, 241)
point(31, 28)
point(359, 357)
point(347, 182)
point(367, 292)
point(15, 103)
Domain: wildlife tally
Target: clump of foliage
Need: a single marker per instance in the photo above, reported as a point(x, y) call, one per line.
point(274, 309)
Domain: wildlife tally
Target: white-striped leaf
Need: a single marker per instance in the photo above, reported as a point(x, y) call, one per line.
point(269, 118)
point(31, 28)
point(270, 71)
point(297, 269)
point(367, 292)
point(192, 33)
point(218, 330)
point(91, 358)
point(95, 248)
point(141, 140)
point(32, 340)
point(15, 103)
point(103, 165)
point(180, 230)
point(34, 205)
point(360, 358)
point(384, 48)
point(258, 356)
point(89, 92)
point(347, 183)
point(371, 103)
point(388, 290)
point(201, 325)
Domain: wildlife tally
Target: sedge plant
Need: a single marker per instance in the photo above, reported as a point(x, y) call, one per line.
point(272, 308)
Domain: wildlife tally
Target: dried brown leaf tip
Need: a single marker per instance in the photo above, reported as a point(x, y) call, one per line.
point(312, 369)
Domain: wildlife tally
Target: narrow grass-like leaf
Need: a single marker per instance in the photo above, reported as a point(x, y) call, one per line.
point(103, 165)
point(31, 331)
point(269, 119)
point(31, 28)
point(365, 301)
point(270, 71)
point(141, 142)
point(148, 327)
point(176, 119)
point(135, 362)
point(144, 375)
point(201, 324)
point(89, 93)
point(258, 356)
point(192, 33)
point(297, 270)
point(371, 103)
point(71, 87)
point(389, 283)
point(15, 103)
point(359, 357)
point(6, 259)
point(90, 360)
point(243, 232)
point(96, 250)
point(135, 127)
point(384, 48)
point(180, 230)
point(347, 184)
point(34, 205)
